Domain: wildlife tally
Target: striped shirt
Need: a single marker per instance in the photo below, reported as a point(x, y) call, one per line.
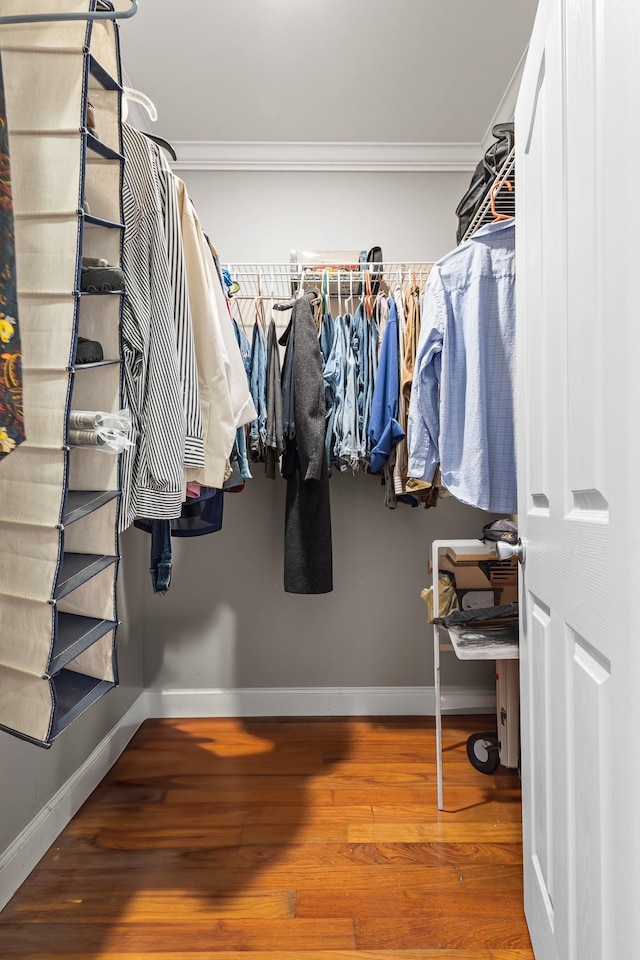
point(152, 470)
point(194, 448)
point(461, 412)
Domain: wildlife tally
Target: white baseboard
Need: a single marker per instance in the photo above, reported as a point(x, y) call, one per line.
point(316, 702)
point(19, 859)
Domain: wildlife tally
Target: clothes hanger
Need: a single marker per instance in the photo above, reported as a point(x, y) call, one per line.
point(161, 143)
point(272, 286)
point(369, 298)
point(259, 318)
point(494, 190)
point(130, 95)
point(235, 307)
point(326, 298)
point(349, 300)
point(136, 96)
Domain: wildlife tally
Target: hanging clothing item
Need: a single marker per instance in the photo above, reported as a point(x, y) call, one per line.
point(347, 429)
point(11, 412)
point(161, 560)
point(334, 382)
point(401, 453)
point(241, 436)
point(371, 344)
point(462, 403)
point(242, 405)
point(258, 427)
point(364, 344)
point(359, 346)
point(308, 564)
point(245, 347)
point(152, 469)
point(188, 370)
point(384, 429)
point(201, 514)
point(381, 317)
point(274, 444)
point(287, 340)
point(411, 339)
point(327, 333)
point(218, 421)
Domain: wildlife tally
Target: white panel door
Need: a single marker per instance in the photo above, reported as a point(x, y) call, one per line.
point(578, 318)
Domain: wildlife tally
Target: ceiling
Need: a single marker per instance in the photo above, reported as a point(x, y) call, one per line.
point(336, 71)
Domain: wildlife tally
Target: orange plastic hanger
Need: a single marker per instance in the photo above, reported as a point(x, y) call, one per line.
point(494, 189)
point(369, 297)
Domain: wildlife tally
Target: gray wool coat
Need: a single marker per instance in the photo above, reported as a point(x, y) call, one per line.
point(308, 561)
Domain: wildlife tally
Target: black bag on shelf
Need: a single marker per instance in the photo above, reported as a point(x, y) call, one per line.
point(371, 261)
point(504, 529)
point(484, 176)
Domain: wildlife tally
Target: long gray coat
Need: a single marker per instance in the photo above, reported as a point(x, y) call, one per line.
point(308, 563)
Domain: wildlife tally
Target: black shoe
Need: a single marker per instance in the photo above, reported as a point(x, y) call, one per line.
point(101, 279)
point(89, 351)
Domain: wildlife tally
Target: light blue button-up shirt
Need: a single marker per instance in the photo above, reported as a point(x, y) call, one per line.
point(461, 413)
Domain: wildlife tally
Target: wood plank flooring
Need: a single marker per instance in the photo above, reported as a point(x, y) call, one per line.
point(222, 839)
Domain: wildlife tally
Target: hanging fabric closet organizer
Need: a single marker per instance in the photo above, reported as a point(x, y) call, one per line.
point(59, 504)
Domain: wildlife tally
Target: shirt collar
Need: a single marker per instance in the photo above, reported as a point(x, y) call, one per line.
point(496, 227)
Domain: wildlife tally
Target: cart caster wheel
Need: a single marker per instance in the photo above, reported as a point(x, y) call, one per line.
point(483, 752)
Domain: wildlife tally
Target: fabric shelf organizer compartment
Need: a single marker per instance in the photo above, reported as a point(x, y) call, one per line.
point(59, 504)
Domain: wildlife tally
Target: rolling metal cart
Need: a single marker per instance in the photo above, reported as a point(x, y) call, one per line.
point(487, 639)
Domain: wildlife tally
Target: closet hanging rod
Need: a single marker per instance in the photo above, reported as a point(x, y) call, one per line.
point(57, 17)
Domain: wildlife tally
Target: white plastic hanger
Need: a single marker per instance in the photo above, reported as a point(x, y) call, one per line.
point(136, 96)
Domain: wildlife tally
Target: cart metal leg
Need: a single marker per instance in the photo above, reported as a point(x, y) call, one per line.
point(435, 556)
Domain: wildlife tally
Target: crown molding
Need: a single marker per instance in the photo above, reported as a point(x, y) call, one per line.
point(324, 155)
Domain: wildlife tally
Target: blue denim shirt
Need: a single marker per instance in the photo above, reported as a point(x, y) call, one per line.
point(258, 383)
point(384, 429)
point(461, 413)
point(340, 377)
point(364, 347)
point(245, 348)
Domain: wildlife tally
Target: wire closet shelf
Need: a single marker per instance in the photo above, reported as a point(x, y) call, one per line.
point(283, 281)
point(504, 198)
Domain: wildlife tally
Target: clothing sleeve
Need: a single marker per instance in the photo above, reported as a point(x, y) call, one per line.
point(152, 471)
point(384, 429)
point(423, 428)
point(188, 370)
point(218, 425)
point(309, 398)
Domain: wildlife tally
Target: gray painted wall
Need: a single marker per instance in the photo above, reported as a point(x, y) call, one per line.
point(226, 622)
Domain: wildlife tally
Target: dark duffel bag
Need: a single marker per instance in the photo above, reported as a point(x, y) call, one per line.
point(484, 176)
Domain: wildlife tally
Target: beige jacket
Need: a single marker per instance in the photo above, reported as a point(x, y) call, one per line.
point(218, 422)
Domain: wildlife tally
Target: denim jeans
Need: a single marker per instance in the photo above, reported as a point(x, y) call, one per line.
point(160, 555)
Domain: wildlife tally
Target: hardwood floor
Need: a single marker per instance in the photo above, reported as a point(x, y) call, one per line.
point(283, 840)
